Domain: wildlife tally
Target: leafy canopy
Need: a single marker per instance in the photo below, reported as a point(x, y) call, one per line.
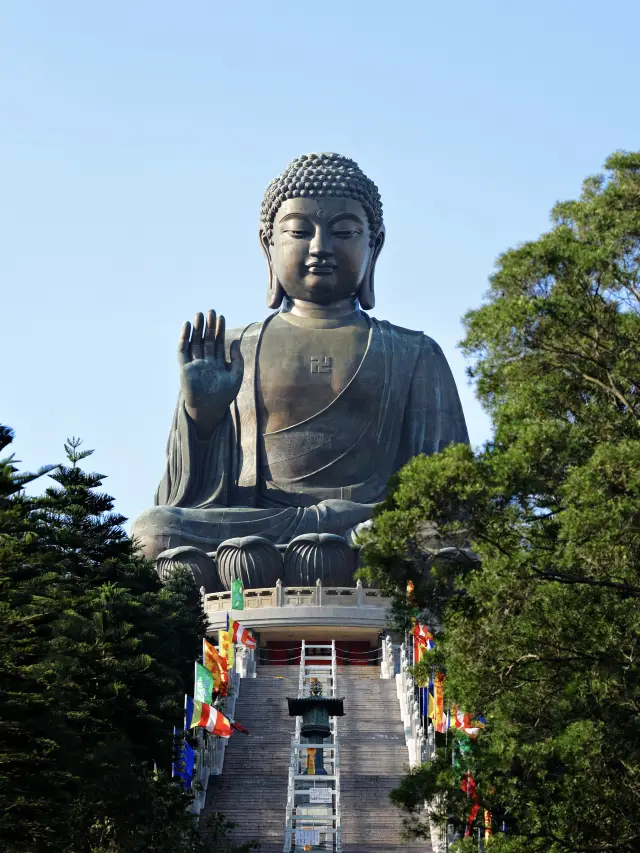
point(540, 612)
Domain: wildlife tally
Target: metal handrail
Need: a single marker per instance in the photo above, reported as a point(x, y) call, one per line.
point(328, 825)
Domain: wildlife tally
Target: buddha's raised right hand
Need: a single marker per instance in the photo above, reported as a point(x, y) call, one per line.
point(208, 383)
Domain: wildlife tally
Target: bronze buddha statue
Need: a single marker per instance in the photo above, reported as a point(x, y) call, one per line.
point(293, 425)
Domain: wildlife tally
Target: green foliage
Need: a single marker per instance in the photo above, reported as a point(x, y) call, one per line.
point(217, 831)
point(540, 614)
point(96, 655)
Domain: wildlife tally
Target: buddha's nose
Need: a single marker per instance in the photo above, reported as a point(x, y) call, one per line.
point(320, 244)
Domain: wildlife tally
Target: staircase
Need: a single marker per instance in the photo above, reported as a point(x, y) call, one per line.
point(373, 759)
point(252, 792)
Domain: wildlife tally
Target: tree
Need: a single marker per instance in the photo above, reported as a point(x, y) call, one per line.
point(96, 657)
point(37, 778)
point(538, 593)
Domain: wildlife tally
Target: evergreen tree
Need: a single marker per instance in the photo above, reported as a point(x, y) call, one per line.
point(96, 657)
point(540, 622)
point(38, 777)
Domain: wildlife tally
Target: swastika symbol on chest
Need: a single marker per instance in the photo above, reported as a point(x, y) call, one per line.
point(321, 364)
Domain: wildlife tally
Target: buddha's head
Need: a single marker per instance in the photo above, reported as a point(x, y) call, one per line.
point(321, 230)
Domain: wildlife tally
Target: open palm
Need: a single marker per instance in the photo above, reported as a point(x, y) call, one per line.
point(208, 382)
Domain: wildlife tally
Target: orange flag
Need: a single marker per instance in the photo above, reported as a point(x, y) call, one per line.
point(217, 666)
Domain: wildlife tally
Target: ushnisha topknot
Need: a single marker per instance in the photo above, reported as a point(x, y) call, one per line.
point(318, 176)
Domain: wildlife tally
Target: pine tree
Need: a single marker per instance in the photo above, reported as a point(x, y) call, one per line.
point(541, 629)
point(38, 777)
point(97, 657)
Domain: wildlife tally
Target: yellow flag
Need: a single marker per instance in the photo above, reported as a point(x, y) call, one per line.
point(226, 647)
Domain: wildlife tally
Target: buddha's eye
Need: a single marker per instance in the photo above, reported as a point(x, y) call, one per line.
point(298, 233)
point(345, 234)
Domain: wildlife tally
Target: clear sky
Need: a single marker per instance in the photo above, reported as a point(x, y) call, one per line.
point(137, 138)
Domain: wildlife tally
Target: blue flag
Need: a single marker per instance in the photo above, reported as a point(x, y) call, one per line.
point(185, 763)
point(424, 701)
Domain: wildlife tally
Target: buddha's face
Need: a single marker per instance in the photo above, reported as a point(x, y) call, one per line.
point(320, 251)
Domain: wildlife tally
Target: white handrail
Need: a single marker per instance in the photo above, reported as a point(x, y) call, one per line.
point(329, 824)
point(420, 744)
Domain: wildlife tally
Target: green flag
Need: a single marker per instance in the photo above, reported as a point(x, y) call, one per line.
point(237, 595)
point(203, 685)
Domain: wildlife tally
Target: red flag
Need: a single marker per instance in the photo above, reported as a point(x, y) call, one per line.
point(468, 785)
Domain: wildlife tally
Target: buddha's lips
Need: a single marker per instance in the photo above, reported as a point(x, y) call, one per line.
point(321, 269)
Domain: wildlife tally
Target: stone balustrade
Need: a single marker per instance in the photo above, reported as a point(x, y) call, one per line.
point(294, 605)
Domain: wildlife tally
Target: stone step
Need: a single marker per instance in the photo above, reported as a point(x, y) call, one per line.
point(373, 759)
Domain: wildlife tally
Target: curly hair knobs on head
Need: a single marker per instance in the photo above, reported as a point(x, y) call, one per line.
point(318, 176)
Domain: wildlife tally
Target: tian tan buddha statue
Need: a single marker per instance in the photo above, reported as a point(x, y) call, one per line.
point(287, 431)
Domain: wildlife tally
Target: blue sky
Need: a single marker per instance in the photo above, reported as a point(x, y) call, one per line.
point(137, 139)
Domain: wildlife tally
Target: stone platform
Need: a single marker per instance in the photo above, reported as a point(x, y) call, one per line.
point(303, 607)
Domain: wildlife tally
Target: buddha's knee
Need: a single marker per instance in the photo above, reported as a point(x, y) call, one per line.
point(155, 531)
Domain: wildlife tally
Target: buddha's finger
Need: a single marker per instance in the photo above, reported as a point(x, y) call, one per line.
point(220, 337)
point(237, 362)
point(210, 335)
point(196, 335)
point(183, 344)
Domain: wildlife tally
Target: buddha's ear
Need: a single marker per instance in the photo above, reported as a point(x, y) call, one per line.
point(275, 293)
point(366, 294)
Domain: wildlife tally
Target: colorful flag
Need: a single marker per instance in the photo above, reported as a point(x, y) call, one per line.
point(207, 717)
point(184, 765)
point(488, 825)
point(227, 649)
point(237, 595)
point(203, 684)
point(239, 633)
point(468, 786)
point(217, 666)
point(439, 719)
point(466, 723)
point(423, 641)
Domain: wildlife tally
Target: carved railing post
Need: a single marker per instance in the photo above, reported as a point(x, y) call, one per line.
point(360, 596)
point(387, 666)
point(279, 593)
point(319, 593)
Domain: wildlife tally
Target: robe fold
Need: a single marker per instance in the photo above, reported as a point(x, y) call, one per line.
point(324, 474)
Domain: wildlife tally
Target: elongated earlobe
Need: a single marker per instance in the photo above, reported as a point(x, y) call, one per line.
point(366, 294)
point(275, 293)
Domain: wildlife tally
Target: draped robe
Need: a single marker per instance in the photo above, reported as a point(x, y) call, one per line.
point(239, 482)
